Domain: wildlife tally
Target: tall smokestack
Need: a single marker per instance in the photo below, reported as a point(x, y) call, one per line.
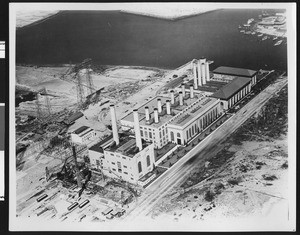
point(183, 89)
point(137, 131)
point(172, 97)
point(191, 92)
point(168, 107)
point(180, 98)
point(207, 71)
point(147, 114)
point(199, 73)
point(159, 107)
point(195, 75)
point(203, 73)
point(114, 124)
point(156, 119)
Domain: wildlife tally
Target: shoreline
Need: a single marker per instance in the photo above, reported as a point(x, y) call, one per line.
point(157, 16)
point(170, 18)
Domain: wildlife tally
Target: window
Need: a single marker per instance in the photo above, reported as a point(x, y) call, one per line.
point(124, 166)
point(140, 167)
point(113, 169)
point(148, 160)
point(126, 173)
point(97, 162)
point(178, 135)
point(113, 163)
point(187, 134)
point(141, 133)
point(146, 134)
point(172, 136)
point(150, 135)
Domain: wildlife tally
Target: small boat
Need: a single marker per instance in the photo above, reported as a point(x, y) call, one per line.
point(264, 38)
point(242, 31)
point(253, 33)
point(240, 27)
point(260, 35)
point(275, 38)
point(278, 43)
point(248, 32)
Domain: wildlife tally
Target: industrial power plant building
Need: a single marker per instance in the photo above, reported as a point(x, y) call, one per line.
point(176, 117)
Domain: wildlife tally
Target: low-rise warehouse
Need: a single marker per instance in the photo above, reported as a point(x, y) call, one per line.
point(83, 135)
point(233, 92)
point(229, 73)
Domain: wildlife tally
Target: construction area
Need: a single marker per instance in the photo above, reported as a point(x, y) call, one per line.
point(248, 177)
point(52, 172)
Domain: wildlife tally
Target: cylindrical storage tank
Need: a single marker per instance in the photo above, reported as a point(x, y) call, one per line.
point(168, 107)
point(84, 203)
point(191, 92)
point(42, 197)
point(156, 118)
point(114, 124)
point(73, 206)
point(172, 97)
point(180, 98)
point(159, 107)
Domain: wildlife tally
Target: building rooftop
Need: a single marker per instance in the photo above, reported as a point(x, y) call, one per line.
point(235, 71)
point(74, 117)
point(81, 129)
point(127, 146)
point(210, 86)
point(193, 111)
point(99, 146)
point(163, 116)
point(231, 88)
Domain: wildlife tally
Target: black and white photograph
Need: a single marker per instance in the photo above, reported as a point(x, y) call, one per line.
point(152, 116)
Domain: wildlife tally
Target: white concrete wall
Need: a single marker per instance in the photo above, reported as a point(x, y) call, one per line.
point(76, 139)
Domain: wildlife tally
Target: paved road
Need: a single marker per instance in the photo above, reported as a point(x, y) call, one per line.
point(206, 149)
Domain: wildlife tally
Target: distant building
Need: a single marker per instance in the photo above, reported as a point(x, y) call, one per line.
point(232, 73)
point(83, 135)
point(233, 92)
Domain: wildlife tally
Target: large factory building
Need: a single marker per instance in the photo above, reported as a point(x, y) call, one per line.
point(128, 158)
point(230, 73)
point(193, 120)
point(233, 92)
point(176, 117)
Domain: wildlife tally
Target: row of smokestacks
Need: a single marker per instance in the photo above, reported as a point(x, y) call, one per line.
point(201, 72)
point(157, 111)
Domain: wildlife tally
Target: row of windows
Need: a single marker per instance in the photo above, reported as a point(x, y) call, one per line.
point(120, 171)
point(239, 95)
point(140, 164)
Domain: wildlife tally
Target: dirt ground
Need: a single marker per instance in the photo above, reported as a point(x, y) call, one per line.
point(249, 177)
